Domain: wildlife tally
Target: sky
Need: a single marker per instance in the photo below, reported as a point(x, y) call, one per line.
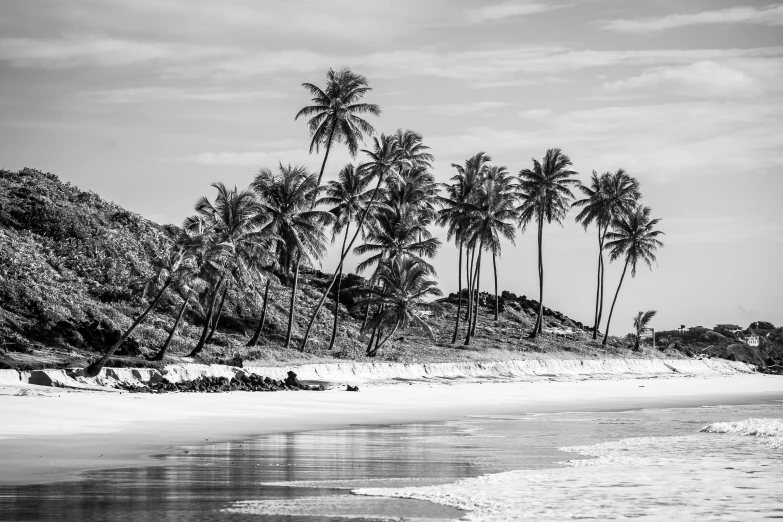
point(147, 102)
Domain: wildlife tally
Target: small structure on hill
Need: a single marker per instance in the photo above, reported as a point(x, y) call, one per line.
point(751, 340)
point(733, 328)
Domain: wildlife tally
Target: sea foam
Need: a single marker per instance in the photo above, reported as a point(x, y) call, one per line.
point(772, 429)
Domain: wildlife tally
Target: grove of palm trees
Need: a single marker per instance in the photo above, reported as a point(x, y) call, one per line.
point(247, 275)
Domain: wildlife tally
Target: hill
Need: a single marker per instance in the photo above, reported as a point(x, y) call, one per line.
point(74, 270)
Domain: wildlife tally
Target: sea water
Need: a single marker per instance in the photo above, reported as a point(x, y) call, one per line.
point(717, 462)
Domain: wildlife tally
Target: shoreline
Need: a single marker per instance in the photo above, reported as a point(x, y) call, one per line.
point(53, 434)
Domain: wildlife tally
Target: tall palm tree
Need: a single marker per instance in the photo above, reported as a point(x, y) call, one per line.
point(347, 196)
point(336, 113)
point(640, 322)
point(546, 197)
point(634, 237)
point(452, 215)
point(384, 157)
point(176, 263)
point(402, 302)
point(491, 217)
point(286, 197)
point(234, 223)
point(608, 196)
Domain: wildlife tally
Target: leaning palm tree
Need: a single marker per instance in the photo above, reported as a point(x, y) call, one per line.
point(403, 301)
point(335, 115)
point(640, 322)
point(384, 157)
point(286, 197)
point(608, 196)
point(634, 237)
point(546, 196)
point(175, 264)
point(347, 196)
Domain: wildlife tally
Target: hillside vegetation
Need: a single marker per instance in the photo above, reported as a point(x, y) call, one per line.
point(74, 273)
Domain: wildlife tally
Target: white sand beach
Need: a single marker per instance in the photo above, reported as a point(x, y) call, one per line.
point(51, 433)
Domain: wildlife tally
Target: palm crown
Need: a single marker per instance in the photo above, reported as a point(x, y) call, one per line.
point(634, 237)
point(336, 109)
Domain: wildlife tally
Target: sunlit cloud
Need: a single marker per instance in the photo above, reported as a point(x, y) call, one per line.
point(746, 79)
point(174, 94)
point(771, 15)
point(506, 10)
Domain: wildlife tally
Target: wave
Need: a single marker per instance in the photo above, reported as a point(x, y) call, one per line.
point(772, 429)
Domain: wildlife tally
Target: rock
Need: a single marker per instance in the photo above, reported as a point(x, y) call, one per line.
point(291, 380)
point(40, 378)
point(352, 388)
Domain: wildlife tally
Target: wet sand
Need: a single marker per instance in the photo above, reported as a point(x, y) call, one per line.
point(50, 434)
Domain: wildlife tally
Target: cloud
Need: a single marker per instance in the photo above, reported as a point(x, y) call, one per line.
point(456, 109)
point(771, 15)
point(659, 142)
point(700, 80)
point(91, 50)
point(496, 12)
point(174, 94)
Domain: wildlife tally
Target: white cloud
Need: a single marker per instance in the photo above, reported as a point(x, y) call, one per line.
point(661, 142)
point(702, 79)
point(496, 12)
point(91, 50)
point(771, 15)
point(456, 109)
point(173, 94)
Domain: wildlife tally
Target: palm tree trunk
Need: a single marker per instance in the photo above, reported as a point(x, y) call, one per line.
point(598, 286)
point(323, 165)
point(162, 352)
point(603, 272)
point(326, 291)
point(472, 301)
point(339, 286)
point(471, 282)
point(538, 328)
point(289, 333)
point(369, 345)
point(495, 269)
point(478, 292)
point(611, 310)
point(95, 368)
point(254, 340)
point(459, 295)
point(217, 316)
point(366, 316)
point(208, 321)
point(636, 343)
point(378, 346)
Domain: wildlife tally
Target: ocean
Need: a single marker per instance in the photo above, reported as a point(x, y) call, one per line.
point(652, 463)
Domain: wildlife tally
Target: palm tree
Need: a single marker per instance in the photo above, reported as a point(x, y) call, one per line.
point(175, 264)
point(402, 302)
point(640, 322)
point(189, 285)
point(459, 194)
point(234, 224)
point(286, 197)
point(491, 217)
point(607, 197)
point(546, 196)
point(348, 197)
point(634, 237)
point(335, 115)
point(383, 158)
